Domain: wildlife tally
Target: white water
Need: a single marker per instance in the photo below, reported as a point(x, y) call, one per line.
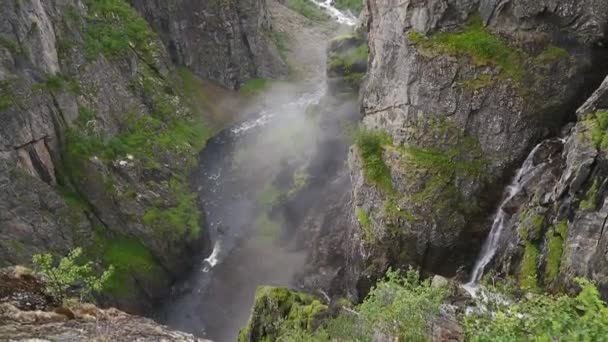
point(345, 18)
point(491, 244)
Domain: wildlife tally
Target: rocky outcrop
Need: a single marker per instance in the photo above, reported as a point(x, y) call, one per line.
point(27, 314)
point(347, 64)
point(458, 93)
point(557, 228)
point(97, 137)
point(225, 41)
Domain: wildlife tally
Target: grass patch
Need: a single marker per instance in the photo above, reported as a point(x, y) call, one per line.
point(6, 99)
point(307, 9)
point(555, 248)
point(355, 6)
point(114, 27)
point(366, 224)
point(56, 83)
point(528, 273)
point(589, 202)
point(129, 257)
point(349, 58)
point(180, 219)
point(481, 45)
point(370, 145)
point(598, 127)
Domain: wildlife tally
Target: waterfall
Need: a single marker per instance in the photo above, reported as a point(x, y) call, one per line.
point(345, 18)
point(491, 244)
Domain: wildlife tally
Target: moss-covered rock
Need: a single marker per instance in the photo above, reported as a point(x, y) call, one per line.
point(347, 63)
point(277, 309)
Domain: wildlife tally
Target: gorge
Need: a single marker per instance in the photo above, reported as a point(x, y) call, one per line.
point(304, 170)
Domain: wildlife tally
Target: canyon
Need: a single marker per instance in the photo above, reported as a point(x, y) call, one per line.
point(257, 167)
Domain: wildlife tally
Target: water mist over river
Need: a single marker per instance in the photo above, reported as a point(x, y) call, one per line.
point(246, 172)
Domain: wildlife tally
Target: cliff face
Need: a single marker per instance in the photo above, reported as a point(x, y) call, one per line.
point(463, 90)
point(556, 231)
point(226, 41)
point(98, 134)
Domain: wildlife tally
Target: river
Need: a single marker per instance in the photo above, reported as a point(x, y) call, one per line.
point(245, 171)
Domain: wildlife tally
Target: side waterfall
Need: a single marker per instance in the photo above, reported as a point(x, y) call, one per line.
point(491, 244)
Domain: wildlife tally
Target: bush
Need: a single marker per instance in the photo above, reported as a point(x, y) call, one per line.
point(543, 318)
point(400, 307)
point(70, 272)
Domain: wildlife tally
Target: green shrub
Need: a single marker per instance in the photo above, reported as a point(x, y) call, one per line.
point(551, 54)
point(10, 44)
point(308, 9)
point(400, 306)
point(370, 145)
point(599, 126)
point(68, 273)
point(543, 318)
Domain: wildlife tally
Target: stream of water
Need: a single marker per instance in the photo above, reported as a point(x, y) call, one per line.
point(500, 219)
point(243, 172)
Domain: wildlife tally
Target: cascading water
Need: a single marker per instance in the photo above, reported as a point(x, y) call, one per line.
point(345, 18)
point(491, 244)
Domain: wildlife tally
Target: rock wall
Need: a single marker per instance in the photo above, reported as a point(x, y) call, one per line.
point(556, 230)
point(225, 41)
point(99, 132)
point(460, 92)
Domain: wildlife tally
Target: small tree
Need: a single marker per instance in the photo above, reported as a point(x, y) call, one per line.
point(70, 272)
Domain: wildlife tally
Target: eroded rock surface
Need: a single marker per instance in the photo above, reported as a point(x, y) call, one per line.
point(464, 89)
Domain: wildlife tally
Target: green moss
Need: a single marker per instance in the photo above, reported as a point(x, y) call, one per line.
point(308, 9)
point(589, 202)
point(277, 310)
point(475, 41)
point(550, 54)
point(392, 212)
point(366, 224)
point(130, 259)
point(300, 180)
point(181, 219)
point(6, 99)
point(444, 166)
point(113, 28)
point(555, 247)
point(537, 223)
point(58, 82)
point(598, 124)
point(354, 6)
point(370, 145)
point(349, 58)
point(528, 273)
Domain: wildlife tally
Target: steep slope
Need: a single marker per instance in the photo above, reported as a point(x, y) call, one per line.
point(226, 41)
point(557, 228)
point(98, 135)
point(457, 94)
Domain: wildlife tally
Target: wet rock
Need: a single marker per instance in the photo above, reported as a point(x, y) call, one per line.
point(450, 103)
point(570, 199)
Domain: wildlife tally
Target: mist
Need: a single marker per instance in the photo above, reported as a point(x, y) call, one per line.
point(261, 182)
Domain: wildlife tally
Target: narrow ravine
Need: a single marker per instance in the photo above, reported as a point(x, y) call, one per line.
point(245, 171)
